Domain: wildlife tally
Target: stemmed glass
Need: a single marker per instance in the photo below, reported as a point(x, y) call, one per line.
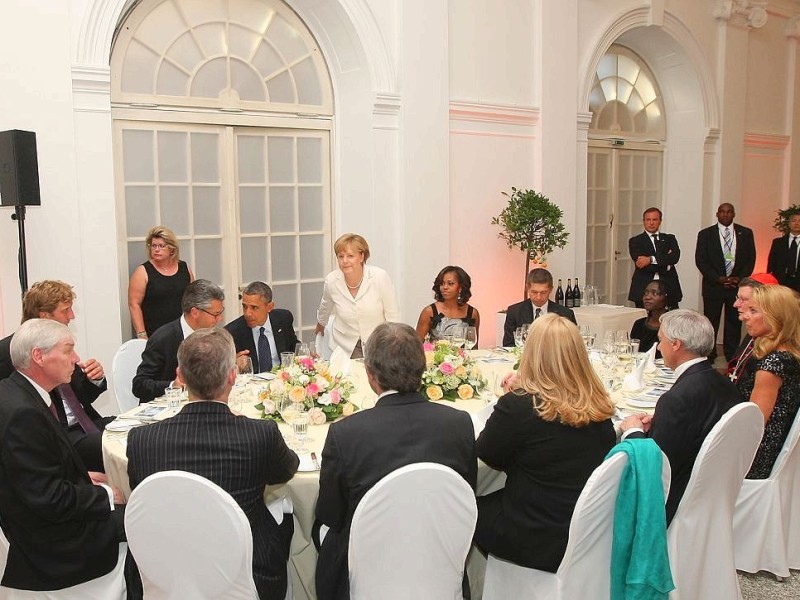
point(470, 338)
point(244, 369)
point(520, 335)
point(294, 415)
point(459, 335)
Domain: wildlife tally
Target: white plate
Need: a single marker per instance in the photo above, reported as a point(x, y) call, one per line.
point(267, 376)
point(123, 425)
point(638, 403)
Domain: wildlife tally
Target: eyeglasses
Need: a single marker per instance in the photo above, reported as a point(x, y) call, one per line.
point(216, 315)
point(159, 246)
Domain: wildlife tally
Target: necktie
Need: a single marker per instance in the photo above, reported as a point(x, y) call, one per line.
point(792, 267)
point(538, 314)
point(655, 242)
point(71, 400)
point(728, 243)
point(264, 353)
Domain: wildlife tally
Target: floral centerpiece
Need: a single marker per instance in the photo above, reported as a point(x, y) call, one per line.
point(325, 394)
point(450, 373)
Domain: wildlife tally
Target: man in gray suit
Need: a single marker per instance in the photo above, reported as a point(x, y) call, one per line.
point(239, 454)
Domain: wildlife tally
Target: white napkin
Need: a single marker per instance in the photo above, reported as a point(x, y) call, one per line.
point(479, 418)
point(634, 381)
point(650, 363)
point(340, 362)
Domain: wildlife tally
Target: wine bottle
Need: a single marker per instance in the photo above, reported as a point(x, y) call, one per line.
point(559, 294)
point(568, 299)
point(576, 295)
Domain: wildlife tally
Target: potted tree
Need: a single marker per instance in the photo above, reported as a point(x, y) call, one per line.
point(532, 223)
point(784, 216)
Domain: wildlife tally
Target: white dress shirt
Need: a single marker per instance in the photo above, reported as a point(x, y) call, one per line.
point(722, 229)
point(273, 349)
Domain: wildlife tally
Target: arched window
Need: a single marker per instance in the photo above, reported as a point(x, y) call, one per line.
point(222, 115)
point(625, 164)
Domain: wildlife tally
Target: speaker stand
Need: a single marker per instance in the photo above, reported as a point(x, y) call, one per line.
point(19, 217)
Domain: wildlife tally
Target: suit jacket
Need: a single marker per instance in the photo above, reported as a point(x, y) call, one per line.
point(778, 262)
point(682, 419)
point(58, 523)
point(667, 256)
point(86, 391)
point(710, 260)
point(521, 313)
point(240, 455)
point(547, 465)
point(159, 361)
point(357, 318)
point(280, 320)
point(360, 450)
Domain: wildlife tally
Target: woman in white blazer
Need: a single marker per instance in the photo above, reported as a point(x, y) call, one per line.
point(360, 295)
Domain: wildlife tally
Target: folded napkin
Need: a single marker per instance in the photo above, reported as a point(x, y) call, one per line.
point(650, 363)
point(634, 381)
point(479, 418)
point(340, 362)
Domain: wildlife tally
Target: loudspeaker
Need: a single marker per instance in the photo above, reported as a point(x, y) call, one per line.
point(19, 169)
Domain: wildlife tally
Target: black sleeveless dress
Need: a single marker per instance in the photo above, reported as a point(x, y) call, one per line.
point(441, 325)
point(162, 296)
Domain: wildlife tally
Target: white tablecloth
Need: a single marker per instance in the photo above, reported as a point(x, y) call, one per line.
point(607, 317)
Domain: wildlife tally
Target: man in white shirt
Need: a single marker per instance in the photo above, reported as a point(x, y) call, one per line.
point(689, 410)
point(63, 530)
point(725, 253)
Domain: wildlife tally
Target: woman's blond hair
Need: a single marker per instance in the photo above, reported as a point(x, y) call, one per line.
point(555, 370)
point(781, 310)
point(166, 234)
point(354, 240)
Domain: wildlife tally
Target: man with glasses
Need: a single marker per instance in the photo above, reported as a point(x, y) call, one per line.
point(202, 306)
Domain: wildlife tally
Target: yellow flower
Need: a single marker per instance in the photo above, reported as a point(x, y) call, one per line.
point(461, 372)
point(434, 392)
point(465, 391)
point(429, 358)
point(297, 394)
point(347, 409)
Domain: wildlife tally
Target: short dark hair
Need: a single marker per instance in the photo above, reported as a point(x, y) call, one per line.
point(653, 209)
point(205, 359)
point(199, 294)
point(394, 356)
point(258, 288)
point(464, 280)
point(539, 276)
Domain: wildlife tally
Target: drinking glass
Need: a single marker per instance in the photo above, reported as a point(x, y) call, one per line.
point(459, 335)
point(609, 342)
point(471, 338)
point(634, 345)
point(302, 349)
point(291, 413)
point(173, 394)
point(244, 369)
point(287, 358)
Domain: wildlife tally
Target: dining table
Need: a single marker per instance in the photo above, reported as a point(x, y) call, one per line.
point(302, 490)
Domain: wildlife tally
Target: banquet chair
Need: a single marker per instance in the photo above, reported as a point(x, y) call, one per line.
point(189, 539)
point(700, 537)
point(323, 342)
point(585, 570)
point(410, 535)
point(123, 368)
point(110, 586)
point(766, 523)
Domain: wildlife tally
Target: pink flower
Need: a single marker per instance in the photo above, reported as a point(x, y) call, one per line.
point(312, 389)
point(427, 347)
point(336, 396)
point(447, 368)
point(285, 375)
point(306, 362)
point(316, 416)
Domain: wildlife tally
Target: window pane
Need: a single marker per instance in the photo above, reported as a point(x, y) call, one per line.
point(137, 254)
point(250, 158)
point(281, 88)
point(285, 296)
point(211, 79)
point(281, 209)
point(208, 258)
point(140, 210)
point(280, 156)
point(311, 293)
point(312, 252)
point(137, 156)
point(309, 160)
point(286, 40)
point(205, 157)
point(310, 207)
point(206, 205)
point(246, 82)
point(175, 208)
point(172, 81)
point(172, 159)
point(285, 264)
point(307, 80)
point(252, 210)
point(255, 257)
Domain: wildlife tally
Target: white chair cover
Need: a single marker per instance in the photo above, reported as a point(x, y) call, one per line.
point(700, 537)
point(123, 368)
point(585, 570)
point(189, 539)
point(766, 520)
point(410, 535)
point(110, 586)
point(324, 343)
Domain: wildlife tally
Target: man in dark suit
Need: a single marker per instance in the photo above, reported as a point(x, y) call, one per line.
point(402, 429)
point(689, 410)
point(51, 299)
point(62, 529)
point(725, 253)
point(654, 255)
point(240, 455)
point(263, 331)
point(783, 256)
point(539, 283)
point(202, 305)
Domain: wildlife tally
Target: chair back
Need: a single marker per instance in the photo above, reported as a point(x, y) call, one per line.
point(700, 537)
point(123, 368)
point(324, 343)
point(190, 539)
point(410, 535)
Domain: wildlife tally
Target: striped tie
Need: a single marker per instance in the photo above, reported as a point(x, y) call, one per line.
point(728, 243)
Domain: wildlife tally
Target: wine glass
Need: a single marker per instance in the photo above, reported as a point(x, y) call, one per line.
point(470, 338)
point(244, 369)
point(609, 342)
point(294, 415)
point(459, 335)
point(302, 349)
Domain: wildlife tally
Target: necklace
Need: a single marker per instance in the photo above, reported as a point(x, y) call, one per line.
point(741, 361)
point(356, 286)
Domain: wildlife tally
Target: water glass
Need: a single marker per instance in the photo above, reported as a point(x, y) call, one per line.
point(291, 411)
point(174, 395)
point(634, 345)
point(302, 349)
point(287, 358)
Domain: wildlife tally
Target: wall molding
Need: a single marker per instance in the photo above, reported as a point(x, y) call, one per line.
point(754, 12)
point(766, 141)
point(91, 88)
point(472, 117)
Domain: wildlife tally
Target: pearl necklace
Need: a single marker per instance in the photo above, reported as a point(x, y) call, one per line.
point(356, 286)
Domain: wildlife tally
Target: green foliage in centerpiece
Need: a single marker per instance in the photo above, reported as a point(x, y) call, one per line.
point(451, 374)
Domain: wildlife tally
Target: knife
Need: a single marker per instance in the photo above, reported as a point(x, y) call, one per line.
point(314, 460)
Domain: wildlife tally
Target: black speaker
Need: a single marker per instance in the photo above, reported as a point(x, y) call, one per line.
point(19, 169)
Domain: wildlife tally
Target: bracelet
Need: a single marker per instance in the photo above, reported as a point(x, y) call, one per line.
point(140, 334)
